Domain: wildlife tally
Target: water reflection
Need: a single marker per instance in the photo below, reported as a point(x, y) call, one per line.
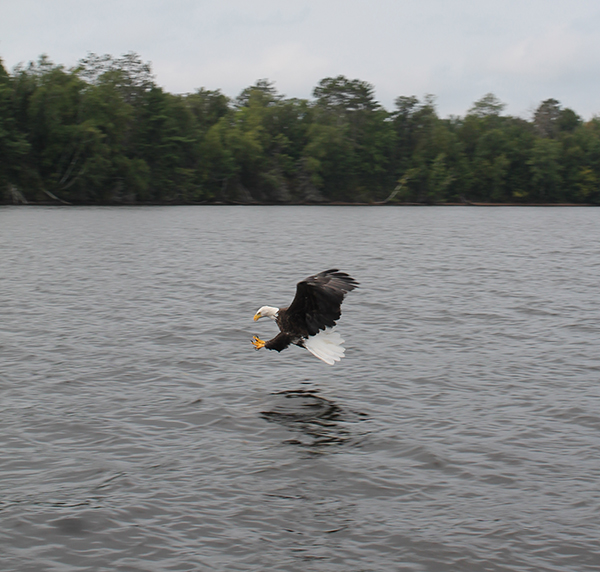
point(71, 526)
point(318, 421)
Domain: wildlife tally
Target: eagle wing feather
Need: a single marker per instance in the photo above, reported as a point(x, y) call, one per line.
point(317, 304)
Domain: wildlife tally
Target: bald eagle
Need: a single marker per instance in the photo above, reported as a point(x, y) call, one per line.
point(309, 320)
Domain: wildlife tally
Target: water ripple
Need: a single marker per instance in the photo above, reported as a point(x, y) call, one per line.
point(141, 431)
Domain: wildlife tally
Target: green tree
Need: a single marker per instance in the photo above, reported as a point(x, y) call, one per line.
point(57, 133)
point(13, 144)
point(550, 119)
point(164, 139)
point(488, 106)
point(405, 126)
point(429, 152)
point(582, 162)
point(546, 169)
point(129, 75)
point(114, 173)
point(104, 132)
point(496, 150)
point(350, 141)
point(207, 107)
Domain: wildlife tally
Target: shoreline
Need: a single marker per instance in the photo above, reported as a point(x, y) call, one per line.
point(324, 204)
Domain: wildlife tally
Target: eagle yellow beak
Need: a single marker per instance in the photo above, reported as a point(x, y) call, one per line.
point(257, 316)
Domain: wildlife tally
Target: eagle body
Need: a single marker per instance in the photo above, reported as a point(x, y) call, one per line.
point(309, 320)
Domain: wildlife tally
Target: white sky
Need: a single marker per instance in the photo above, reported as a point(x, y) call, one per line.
point(524, 51)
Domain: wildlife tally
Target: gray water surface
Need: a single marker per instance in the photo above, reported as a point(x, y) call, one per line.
point(140, 431)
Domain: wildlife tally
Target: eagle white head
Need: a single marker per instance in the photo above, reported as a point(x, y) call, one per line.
point(266, 312)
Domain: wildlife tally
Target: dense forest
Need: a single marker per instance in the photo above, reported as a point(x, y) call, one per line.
point(105, 133)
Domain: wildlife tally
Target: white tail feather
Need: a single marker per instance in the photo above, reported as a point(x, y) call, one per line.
point(326, 345)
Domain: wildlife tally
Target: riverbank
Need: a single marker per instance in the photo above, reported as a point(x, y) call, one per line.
point(324, 204)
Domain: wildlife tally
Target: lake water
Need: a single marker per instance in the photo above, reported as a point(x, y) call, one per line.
point(140, 430)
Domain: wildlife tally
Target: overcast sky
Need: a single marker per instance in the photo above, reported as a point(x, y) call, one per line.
point(524, 51)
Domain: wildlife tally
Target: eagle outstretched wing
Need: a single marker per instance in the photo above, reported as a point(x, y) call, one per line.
point(316, 305)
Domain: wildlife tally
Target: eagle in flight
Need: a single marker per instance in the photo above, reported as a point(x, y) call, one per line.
point(309, 320)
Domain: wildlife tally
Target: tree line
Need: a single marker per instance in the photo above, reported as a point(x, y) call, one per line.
point(104, 132)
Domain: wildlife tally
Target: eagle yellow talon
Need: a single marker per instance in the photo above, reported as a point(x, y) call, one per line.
point(258, 343)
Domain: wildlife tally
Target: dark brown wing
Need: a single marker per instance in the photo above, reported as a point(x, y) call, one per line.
point(318, 301)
